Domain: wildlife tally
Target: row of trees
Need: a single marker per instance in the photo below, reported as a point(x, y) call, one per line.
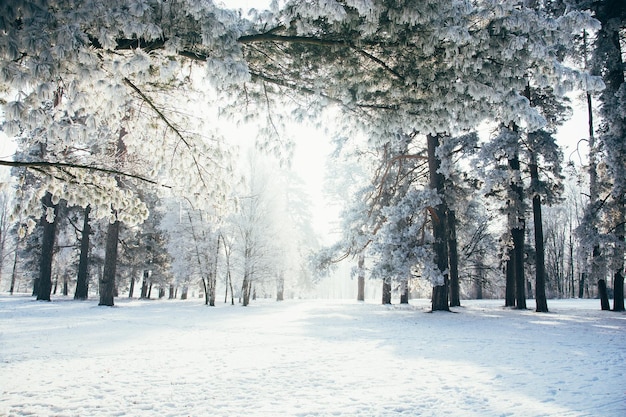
point(90, 87)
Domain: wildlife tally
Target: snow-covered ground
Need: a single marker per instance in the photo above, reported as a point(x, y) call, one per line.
point(309, 358)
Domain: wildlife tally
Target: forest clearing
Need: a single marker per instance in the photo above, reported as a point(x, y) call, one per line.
point(309, 358)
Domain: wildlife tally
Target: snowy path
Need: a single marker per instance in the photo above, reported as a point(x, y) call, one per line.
point(308, 358)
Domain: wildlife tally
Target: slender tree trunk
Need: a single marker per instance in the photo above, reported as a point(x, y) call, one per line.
point(404, 295)
point(280, 286)
point(65, 286)
point(510, 280)
point(440, 292)
point(44, 286)
point(618, 276)
point(360, 296)
point(14, 272)
point(453, 255)
point(82, 281)
point(230, 284)
point(131, 290)
point(107, 280)
point(540, 266)
point(517, 232)
point(172, 293)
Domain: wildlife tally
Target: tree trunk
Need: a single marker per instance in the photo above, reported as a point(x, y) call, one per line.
point(581, 285)
point(618, 276)
point(65, 286)
point(150, 290)
point(280, 286)
point(436, 181)
point(107, 280)
point(510, 280)
point(360, 295)
point(404, 295)
point(540, 266)
point(603, 294)
point(184, 294)
point(44, 285)
point(14, 272)
point(453, 257)
point(517, 232)
point(246, 286)
point(82, 281)
point(144, 284)
point(131, 290)
point(386, 292)
point(172, 294)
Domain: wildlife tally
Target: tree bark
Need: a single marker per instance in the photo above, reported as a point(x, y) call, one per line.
point(540, 266)
point(82, 281)
point(439, 299)
point(517, 233)
point(360, 296)
point(603, 294)
point(44, 285)
point(453, 257)
point(107, 281)
point(386, 292)
point(404, 295)
point(131, 290)
point(280, 286)
point(510, 280)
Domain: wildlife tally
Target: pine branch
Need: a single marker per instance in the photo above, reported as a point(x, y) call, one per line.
point(61, 165)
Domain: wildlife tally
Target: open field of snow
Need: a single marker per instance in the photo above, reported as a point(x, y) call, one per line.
point(309, 358)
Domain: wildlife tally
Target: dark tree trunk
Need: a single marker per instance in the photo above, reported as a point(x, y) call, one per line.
point(510, 280)
point(150, 291)
point(131, 290)
point(360, 295)
point(56, 285)
point(107, 281)
point(144, 285)
point(14, 272)
point(618, 291)
point(65, 287)
point(44, 284)
point(82, 281)
point(436, 182)
point(517, 233)
point(540, 266)
point(172, 294)
point(603, 294)
point(386, 292)
point(161, 292)
point(581, 285)
point(184, 293)
point(453, 255)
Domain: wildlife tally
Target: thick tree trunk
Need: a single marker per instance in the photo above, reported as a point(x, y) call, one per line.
point(386, 292)
point(82, 281)
point(453, 257)
point(44, 285)
point(604, 295)
point(360, 294)
point(436, 181)
point(107, 281)
point(540, 266)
